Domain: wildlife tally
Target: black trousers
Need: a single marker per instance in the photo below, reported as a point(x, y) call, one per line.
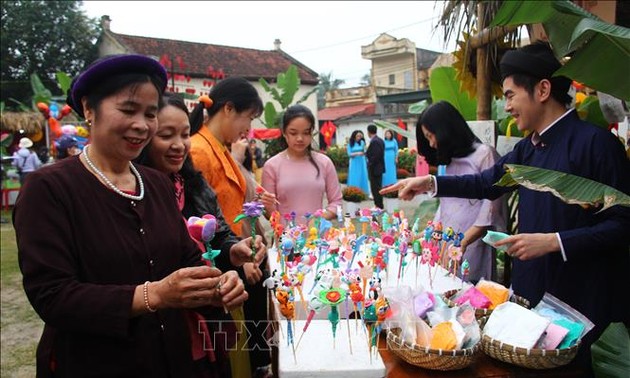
point(376, 183)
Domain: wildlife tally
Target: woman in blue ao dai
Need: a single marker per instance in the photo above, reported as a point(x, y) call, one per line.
point(357, 170)
point(391, 158)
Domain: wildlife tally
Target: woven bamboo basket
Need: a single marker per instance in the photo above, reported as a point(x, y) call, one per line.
point(481, 312)
point(433, 359)
point(533, 358)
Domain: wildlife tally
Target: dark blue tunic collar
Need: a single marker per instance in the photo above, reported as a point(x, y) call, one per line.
point(556, 131)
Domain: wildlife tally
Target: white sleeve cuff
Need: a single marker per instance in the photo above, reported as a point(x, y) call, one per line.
point(435, 188)
point(564, 255)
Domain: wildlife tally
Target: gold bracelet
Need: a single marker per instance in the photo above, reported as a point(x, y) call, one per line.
point(145, 293)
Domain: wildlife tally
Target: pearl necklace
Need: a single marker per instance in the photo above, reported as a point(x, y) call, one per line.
point(111, 184)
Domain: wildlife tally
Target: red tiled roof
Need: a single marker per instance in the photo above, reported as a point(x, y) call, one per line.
point(333, 114)
point(234, 61)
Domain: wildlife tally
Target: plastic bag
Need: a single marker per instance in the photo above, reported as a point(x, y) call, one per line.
point(474, 297)
point(466, 317)
point(424, 333)
point(496, 292)
point(445, 336)
point(441, 314)
point(400, 300)
point(495, 236)
point(566, 316)
point(423, 302)
point(515, 325)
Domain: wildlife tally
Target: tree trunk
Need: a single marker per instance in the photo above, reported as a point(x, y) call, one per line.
point(484, 93)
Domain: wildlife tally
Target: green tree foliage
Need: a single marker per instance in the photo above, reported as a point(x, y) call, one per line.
point(339, 157)
point(576, 32)
point(43, 37)
point(326, 83)
point(366, 80)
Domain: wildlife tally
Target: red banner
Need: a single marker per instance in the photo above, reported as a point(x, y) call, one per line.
point(403, 126)
point(328, 130)
point(264, 134)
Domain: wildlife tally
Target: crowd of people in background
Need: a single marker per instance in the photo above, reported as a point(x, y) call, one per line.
point(372, 165)
point(25, 160)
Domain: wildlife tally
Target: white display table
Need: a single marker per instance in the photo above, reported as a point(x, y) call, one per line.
point(315, 356)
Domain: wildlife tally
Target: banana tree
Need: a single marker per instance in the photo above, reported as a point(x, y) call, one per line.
point(287, 86)
point(574, 32)
point(40, 92)
point(445, 87)
point(480, 47)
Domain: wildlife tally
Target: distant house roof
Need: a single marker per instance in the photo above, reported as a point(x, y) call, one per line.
point(338, 112)
point(426, 58)
point(234, 61)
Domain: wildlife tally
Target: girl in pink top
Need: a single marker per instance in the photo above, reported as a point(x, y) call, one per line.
point(298, 177)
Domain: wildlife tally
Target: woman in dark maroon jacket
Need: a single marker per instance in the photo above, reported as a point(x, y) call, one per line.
point(107, 261)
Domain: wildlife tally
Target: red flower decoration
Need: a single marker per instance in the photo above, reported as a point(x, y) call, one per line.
point(333, 296)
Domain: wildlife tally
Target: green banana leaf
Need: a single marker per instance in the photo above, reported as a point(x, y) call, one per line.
point(611, 352)
point(270, 115)
point(558, 20)
point(445, 87)
point(271, 90)
point(287, 86)
point(64, 82)
point(40, 92)
point(598, 41)
point(590, 111)
point(388, 125)
point(571, 29)
point(418, 107)
point(290, 83)
point(569, 188)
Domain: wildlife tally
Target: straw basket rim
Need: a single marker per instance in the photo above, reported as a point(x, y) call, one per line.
point(434, 359)
point(533, 358)
point(481, 312)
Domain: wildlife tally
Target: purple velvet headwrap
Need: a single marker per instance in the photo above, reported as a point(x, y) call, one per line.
point(109, 66)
